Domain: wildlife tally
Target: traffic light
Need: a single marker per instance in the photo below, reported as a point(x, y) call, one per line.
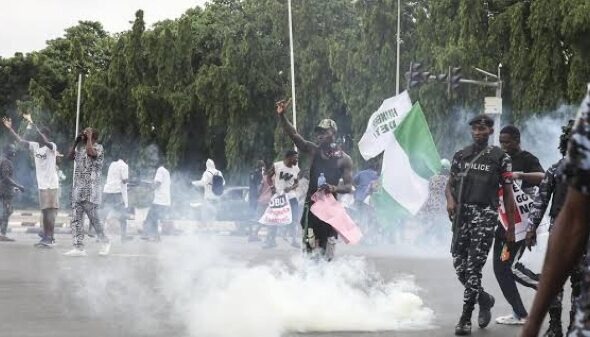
point(414, 76)
point(454, 79)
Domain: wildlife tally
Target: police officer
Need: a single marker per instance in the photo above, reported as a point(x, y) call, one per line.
point(477, 171)
point(554, 187)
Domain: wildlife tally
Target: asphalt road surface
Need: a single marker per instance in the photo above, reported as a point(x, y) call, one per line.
point(40, 294)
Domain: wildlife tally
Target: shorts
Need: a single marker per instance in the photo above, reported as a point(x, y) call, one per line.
point(49, 198)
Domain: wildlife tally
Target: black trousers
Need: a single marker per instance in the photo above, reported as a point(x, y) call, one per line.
point(511, 271)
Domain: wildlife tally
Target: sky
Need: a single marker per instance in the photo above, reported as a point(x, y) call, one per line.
point(25, 25)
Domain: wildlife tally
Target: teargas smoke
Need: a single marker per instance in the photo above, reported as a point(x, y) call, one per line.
point(205, 292)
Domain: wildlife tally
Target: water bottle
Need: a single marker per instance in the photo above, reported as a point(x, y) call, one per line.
point(321, 180)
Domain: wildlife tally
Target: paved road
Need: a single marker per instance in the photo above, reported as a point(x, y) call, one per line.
point(43, 293)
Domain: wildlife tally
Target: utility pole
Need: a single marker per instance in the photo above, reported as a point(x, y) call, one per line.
point(399, 11)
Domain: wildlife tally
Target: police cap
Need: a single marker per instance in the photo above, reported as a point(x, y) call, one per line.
point(482, 119)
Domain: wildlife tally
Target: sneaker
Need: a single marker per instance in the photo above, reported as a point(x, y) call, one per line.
point(486, 303)
point(76, 252)
point(510, 320)
point(6, 238)
point(45, 243)
point(105, 249)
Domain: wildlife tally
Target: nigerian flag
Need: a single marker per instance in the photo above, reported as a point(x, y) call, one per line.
point(410, 158)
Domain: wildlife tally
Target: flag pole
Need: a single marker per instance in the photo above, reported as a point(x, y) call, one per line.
point(292, 55)
point(398, 40)
point(77, 120)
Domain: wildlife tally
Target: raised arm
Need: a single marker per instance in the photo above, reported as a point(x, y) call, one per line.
point(44, 141)
point(302, 144)
point(8, 124)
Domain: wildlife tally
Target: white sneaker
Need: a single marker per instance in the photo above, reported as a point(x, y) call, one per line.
point(105, 249)
point(76, 252)
point(510, 320)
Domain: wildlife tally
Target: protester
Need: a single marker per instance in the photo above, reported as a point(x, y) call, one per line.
point(434, 208)
point(554, 188)
point(160, 206)
point(115, 198)
point(285, 182)
point(254, 184)
point(570, 235)
point(265, 193)
point(86, 193)
point(472, 203)
point(331, 165)
point(7, 188)
point(508, 271)
point(45, 156)
point(212, 182)
point(363, 183)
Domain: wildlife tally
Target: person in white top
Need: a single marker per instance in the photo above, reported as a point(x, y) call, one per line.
point(114, 199)
point(160, 205)
point(209, 212)
point(45, 154)
point(285, 182)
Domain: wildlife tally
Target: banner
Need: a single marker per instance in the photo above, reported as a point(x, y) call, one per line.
point(330, 211)
point(278, 212)
point(524, 204)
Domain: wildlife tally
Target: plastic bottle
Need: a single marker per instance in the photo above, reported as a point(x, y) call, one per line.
point(321, 180)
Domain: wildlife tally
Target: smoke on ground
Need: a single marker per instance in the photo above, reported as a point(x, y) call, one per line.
point(204, 292)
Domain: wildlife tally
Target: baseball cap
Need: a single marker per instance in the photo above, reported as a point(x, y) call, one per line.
point(482, 119)
point(327, 124)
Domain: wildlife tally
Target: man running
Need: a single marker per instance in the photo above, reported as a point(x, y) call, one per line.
point(525, 167)
point(115, 194)
point(477, 172)
point(86, 193)
point(570, 236)
point(7, 188)
point(45, 155)
point(328, 162)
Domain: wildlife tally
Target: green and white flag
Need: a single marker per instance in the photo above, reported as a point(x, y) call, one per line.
point(410, 158)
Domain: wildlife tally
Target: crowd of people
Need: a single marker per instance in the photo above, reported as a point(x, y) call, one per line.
point(478, 187)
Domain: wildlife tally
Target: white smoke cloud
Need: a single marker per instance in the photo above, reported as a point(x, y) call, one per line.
point(207, 293)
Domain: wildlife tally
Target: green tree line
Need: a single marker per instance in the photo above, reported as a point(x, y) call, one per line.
point(204, 85)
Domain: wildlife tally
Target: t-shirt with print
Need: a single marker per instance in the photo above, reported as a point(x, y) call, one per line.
point(285, 177)
point(162, 192)
point(45, 165)
point(87, 176)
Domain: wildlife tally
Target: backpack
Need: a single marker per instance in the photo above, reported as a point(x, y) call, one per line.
point(217, 184)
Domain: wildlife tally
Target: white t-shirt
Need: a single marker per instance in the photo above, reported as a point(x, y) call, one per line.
point(285, 177)
point(45, 165)
point(118, 172)
point(162, 193)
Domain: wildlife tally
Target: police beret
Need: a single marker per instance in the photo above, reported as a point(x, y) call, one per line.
point(482, 119)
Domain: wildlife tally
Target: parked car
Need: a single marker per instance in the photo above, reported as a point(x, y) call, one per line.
point(232, 205)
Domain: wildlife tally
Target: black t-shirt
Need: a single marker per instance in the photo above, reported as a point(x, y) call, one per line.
point(526, 162)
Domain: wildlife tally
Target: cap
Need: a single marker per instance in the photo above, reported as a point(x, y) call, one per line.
point(482, 119)
point(327, 124)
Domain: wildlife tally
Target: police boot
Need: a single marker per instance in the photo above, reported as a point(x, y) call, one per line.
point(463, 328)
point(486, 302)
point(554, 329)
